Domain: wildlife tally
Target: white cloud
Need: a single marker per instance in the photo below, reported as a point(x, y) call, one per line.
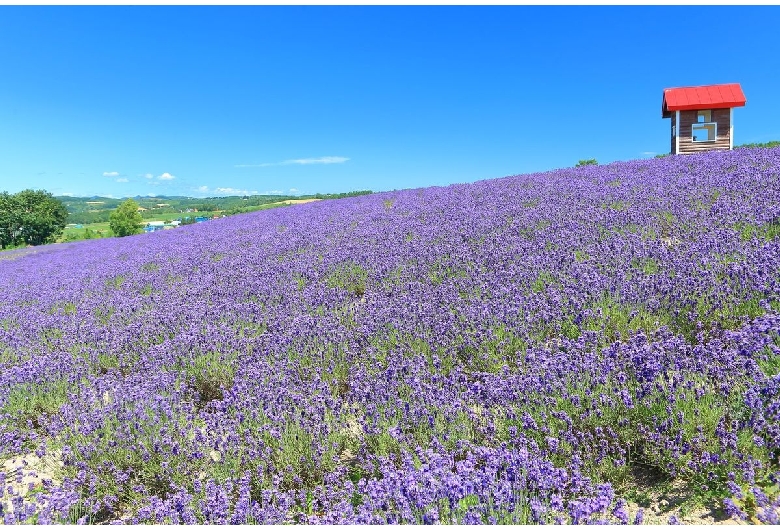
point(122, 180)
point(149, 176)
point(67, 194)
point(166, 176)
point(321, 160)
point(301, 161)
point(111, 173)
point(273, 192)
point(203, 189)
point(234, 191)
point(294, 190)
point(649, 153)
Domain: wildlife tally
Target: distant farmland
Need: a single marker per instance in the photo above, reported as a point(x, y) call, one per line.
point(596, 344)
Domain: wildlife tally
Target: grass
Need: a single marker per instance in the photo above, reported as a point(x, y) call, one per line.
point(28, 404)
point(101, 230)
point(350, 277)
point(770, 362)
point(88, 231)
point(767, 231)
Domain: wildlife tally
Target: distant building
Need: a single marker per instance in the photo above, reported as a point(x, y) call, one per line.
point(702, 116)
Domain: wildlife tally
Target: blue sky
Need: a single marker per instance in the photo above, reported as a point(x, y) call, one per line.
point(208, 101)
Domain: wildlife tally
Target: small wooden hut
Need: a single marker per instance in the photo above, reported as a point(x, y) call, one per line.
point(702, 116)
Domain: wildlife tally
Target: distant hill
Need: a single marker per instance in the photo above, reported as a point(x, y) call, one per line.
point(95, 209)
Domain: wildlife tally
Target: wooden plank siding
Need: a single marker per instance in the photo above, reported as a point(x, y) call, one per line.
point(688, 118)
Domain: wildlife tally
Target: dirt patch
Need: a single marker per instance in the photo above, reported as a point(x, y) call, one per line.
point(661, 497)
point(672, 499)
point(26, 475)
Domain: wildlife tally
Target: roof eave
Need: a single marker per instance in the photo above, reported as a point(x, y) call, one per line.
point(705, 106)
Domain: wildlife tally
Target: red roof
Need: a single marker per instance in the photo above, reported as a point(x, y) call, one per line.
point(702, 97)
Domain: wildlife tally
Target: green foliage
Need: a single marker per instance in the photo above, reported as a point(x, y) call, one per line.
point(770, 362)
point(125, 220)
point(580, 256)
point(211, 374)
point(646, 265)
point(588, 162)
point(543, 280)
point(107, 362)
point(440, 271)
point(27, 403)
point(129, 449)
point(747, 502)
point(773, 143)
point(768, 231)
point(338, 195)
point(30, 218)
point(349, 276)
point(88, 210)
point(115, 282)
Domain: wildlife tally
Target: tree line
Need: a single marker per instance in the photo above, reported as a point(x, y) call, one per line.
point(36, 217)
point(87, 210)
point(30, 217)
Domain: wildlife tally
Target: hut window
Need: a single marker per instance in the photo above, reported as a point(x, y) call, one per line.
point(704, 116)
point(704, 132)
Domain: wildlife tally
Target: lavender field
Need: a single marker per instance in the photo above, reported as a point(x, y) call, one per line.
point(540, 348)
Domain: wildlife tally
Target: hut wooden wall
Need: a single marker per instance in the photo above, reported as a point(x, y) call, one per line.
point(688, 118)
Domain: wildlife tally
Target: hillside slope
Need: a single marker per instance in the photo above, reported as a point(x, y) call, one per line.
point(513, 350)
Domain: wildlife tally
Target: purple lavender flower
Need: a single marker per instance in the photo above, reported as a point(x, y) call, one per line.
point(291, 365)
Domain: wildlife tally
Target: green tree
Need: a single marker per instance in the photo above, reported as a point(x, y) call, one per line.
point(9, 223)
point(589, 162)
point(125, 220)
point(31, 217)
point(43, 217)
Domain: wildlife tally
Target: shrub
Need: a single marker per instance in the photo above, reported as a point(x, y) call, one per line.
point(211, 375)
